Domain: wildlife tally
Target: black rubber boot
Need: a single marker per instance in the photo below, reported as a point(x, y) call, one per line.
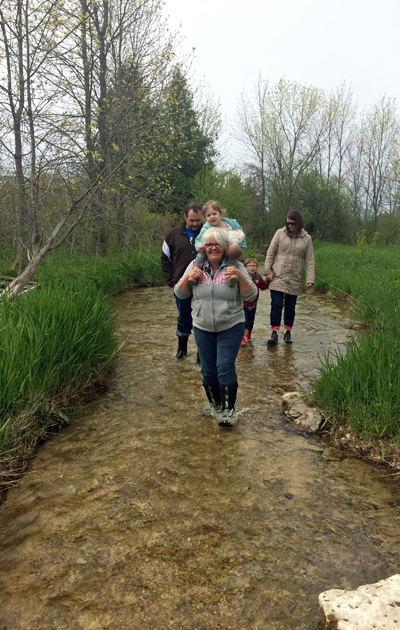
point(274, 338)
point(182, 348)
point(286, 337)
point(214, 398)
point(228, 395)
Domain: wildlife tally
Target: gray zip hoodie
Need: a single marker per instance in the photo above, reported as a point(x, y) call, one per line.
point(216, 307)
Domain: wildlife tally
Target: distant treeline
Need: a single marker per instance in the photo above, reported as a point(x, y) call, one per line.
point(104, 140)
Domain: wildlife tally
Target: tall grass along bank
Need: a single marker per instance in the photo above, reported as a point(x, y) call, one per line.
point(362, 385)
point(55, 343)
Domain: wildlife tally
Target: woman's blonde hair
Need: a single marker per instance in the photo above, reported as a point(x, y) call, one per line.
point(219, 235)
point(215, 205)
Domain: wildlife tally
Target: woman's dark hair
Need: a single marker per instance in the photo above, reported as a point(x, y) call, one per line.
point(294, 215)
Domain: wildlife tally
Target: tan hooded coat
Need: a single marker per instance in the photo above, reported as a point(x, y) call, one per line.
point(284, 259)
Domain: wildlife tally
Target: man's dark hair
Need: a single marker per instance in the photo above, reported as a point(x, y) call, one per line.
point(196, 207)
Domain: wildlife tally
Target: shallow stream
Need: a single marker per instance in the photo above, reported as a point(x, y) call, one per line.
point(145, 515)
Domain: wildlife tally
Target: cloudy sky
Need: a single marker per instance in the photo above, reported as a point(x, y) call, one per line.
point(315, 42)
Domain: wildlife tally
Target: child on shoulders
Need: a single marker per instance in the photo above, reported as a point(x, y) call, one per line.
point(215, 216)
point(249, 308)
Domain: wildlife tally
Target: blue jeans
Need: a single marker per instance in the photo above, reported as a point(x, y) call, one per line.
point(184, 316)
point(218, 352)
point(280, 300)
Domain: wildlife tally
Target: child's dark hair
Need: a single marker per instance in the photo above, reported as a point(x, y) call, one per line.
point(250, 260)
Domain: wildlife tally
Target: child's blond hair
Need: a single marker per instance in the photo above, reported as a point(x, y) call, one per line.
point(250, 260)
point(215, 205)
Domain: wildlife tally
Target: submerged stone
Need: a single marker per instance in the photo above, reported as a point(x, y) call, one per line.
point(295, 409)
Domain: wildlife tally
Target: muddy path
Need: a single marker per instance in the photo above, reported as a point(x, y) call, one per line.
point(145, 515)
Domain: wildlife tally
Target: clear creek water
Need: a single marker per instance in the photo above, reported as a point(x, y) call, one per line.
point(146, 515)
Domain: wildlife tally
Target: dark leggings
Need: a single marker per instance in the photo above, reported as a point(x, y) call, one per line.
point(280, 300)
point(249, 315)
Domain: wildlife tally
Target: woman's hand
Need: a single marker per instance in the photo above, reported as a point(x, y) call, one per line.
point(269, 277)
point(245, 286)
point(309, 285)
point(233, 271)
point(195, 272)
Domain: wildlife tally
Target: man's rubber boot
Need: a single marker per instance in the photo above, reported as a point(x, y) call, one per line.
point(182, 348)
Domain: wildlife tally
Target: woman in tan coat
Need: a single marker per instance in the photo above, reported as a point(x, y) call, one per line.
point(290, 246)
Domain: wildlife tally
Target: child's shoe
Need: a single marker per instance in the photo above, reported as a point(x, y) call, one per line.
point(233, 281)
point(191, 279)
point(248, 337)
point(244, 340)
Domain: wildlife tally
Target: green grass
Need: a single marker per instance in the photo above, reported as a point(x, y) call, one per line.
point(58, 340)
point(362, 384)
point(108, 275)
point(51, 339)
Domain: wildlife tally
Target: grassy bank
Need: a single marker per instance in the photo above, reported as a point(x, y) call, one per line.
point(361, 387)
point(55, 343)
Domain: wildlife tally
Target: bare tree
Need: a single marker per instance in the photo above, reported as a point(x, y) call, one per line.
point(66, 108)
point(378, 144)
point(282, 128)
point(250, 130)
point(339, 114)
point(31, 40)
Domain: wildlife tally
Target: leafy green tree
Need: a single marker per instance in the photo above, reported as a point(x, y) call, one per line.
point(324, 208)
point(187, 149)
point(237, 196)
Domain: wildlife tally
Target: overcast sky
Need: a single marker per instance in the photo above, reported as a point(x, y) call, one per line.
point(315, 42)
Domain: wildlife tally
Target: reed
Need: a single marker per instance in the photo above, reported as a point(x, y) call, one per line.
point(50, 340)
point(109, 275)
point(56, 342)
point(362, 384)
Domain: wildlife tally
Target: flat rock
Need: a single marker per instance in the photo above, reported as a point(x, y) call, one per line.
point(370, 607)
point(295, 409)
point(333, 455)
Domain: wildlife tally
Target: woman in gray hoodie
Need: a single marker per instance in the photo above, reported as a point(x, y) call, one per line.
point(218, 320)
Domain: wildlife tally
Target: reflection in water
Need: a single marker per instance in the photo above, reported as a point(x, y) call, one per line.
point(144, 514)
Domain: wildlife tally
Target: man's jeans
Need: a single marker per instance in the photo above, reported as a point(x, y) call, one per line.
point(184, 316)
point(218, 352)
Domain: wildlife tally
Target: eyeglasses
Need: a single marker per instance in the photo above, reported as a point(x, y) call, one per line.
point(290, 222)
point(211, 245)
